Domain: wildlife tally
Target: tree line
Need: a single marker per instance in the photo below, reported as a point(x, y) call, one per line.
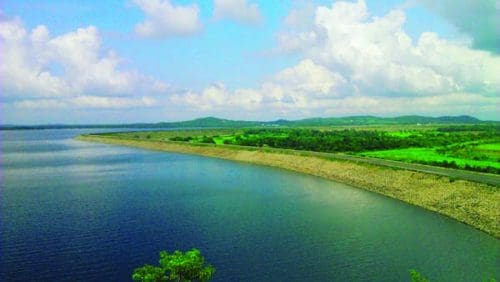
point(347, 140)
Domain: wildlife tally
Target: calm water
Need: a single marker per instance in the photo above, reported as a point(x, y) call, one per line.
point(72, 210)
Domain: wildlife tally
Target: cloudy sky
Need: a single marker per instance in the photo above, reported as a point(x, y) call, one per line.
point(158, 60)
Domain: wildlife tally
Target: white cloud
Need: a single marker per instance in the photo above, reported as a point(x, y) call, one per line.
point(40, 104)
point(112, 102)
point(163, 19)
point(298, 30)
point(378, 57)
point(300, 16)
point(20, 70)
point(217, 97)
point(40, 70)
point(354, 63)
point(96, 102)
point(237, 10)
point(449, 104)
point(308, 77)
point(292, 87)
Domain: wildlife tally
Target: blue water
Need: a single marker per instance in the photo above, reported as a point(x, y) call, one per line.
point(78, 211)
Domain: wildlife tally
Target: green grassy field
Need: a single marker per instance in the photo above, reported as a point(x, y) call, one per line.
point(431, 155)
point(470, 147)
point(492, 150)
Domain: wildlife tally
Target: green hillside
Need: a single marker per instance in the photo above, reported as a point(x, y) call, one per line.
point(213, 122)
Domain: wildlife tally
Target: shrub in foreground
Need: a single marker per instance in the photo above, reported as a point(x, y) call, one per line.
point(178, 266)
point(417, 276)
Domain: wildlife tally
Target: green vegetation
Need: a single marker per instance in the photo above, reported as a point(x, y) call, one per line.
point(469, 147)
point(212, 122)
point(178, 266)
point(417, 276)
point(177, 135)
point(442, 157)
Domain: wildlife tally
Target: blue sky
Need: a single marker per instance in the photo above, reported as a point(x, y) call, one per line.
point(90, 61)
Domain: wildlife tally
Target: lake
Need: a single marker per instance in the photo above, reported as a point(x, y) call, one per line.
point(78, 211)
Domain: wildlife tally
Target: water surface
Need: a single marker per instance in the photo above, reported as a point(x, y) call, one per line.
point(78, 211)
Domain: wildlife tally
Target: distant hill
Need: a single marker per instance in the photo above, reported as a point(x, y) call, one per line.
point(213, 122)
point(209, 122)
point(372, 120)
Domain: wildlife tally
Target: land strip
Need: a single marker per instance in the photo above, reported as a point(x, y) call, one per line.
point(487, 178)
point(476, 204)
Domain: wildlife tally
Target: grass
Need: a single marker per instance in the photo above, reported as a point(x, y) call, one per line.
point(490, 147)
point(428, 155)
point(381, 127)
point(491, 150)
point(221, 139)
point(404, 134)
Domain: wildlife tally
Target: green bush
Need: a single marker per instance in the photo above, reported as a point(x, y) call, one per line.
point(417, 276)
point(178, 266)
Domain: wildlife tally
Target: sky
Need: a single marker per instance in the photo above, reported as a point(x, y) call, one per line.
point(123, 61)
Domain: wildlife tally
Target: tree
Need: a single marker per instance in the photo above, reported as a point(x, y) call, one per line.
point(178, 266)
point(417, 276)
point(149, 273)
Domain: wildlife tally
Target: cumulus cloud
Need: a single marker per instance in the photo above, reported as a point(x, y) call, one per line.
point(40, 70)
point(378, 58)
point(217, 97)
point(479, 19)
point(354, 63)
point(308, 77)
point(292, 87)
point(86, 102)
point(163, 19)
point(237, 10)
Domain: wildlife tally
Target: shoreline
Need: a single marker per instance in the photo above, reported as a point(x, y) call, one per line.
point(474, 204)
